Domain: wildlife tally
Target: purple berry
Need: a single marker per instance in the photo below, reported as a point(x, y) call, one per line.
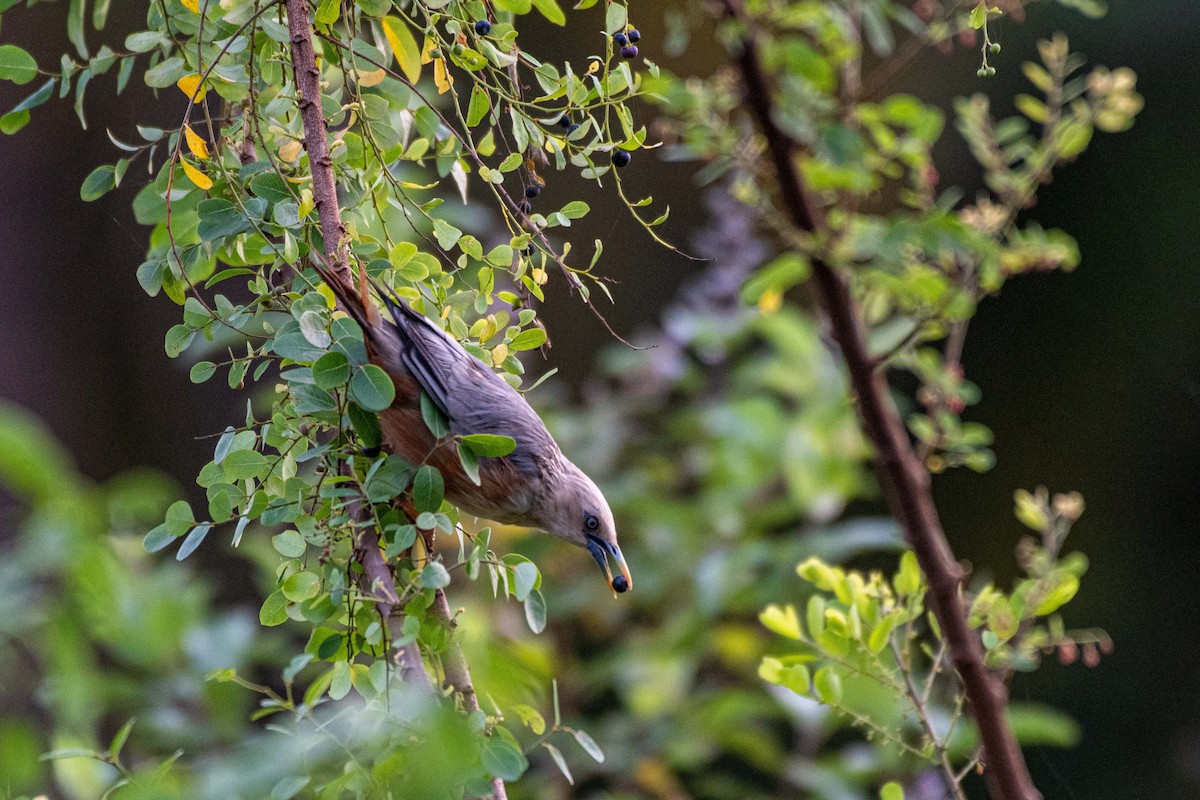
point(620, 584)
point(525, 207)
point(574, 126)
point(532, 191)
point(621, 39)
point(629, 51)
point(483, 27)
point(620, 158)
point(635, 36)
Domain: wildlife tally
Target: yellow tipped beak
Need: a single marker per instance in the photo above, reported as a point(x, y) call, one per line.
point(620, 559)
point(600, 551)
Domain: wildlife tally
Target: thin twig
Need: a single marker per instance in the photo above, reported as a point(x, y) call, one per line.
point(905, 482)
point(919, 704)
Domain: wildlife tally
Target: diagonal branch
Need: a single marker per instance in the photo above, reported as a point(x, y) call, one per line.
point(904, 480)
point(378, 578)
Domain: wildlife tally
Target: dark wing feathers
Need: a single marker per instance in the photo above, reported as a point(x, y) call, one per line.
point(473, 397)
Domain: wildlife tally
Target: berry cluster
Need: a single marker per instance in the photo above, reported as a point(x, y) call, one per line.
point(627, 41)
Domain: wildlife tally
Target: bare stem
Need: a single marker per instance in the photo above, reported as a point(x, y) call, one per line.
point(905, 482)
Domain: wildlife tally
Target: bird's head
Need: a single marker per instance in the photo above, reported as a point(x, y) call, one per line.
point(576, 511)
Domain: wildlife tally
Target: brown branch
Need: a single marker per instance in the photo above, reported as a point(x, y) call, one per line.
point(905, 482)
point(458, 674)
point(308, 82)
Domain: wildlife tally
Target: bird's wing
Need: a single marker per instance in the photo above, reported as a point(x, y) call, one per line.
point(473, 397)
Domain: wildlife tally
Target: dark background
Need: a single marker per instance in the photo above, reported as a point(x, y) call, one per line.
point(1091, 380)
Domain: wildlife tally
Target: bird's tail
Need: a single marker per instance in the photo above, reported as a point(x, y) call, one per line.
point(355, 301)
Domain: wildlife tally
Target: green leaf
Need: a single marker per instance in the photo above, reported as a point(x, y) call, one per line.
point(435, 420)
point(118, 741)
point(37, 98)
point(529, 339)
point(289, 787)
point(615, 18)
point(551, 11)
point(158, 538)
point(434, 576)
point(502, 760)
point(242, 464)
point(535, 611)
point(828, 685)
point(331, 370)
point(301, 586)
point(489, 445)
point(99, 182)
point(327, 12)
point(559, 761)
point(341, 683)
point(274, 610)
point(470, 464)
point(389, 480)
point(372, 389)
point(978, 16)
point(16, 65)
point(220, 218)
point(202, 371)
point(75, 28)
point(589, 746)
point(525, 577)
point(446, 234)
point(366, 426)
point(13, 121)
point(428, 489)
point(891, 791)
point(479, 106)
point(271, 187)
point(179, 518)
point(576, 209)
point(289, 544)
point(193, 540)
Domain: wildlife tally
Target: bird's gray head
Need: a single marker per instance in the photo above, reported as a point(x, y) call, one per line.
point(576, 510)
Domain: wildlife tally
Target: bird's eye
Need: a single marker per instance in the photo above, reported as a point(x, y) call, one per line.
point(590, 522)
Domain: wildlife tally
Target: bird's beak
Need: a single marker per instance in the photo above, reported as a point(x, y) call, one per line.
point(600, 551)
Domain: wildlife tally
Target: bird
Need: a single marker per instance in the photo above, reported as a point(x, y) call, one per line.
point(534, 486)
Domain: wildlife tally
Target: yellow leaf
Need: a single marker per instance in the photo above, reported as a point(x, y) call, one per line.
point(192, 86)
point(427, 50)
point(327, 293)
point(771, 301)
point(373, 78)
point(196, 176)
point(441, 78)
point(191, 5)
point(290, 151)
point(592, 67)
point(404, 46)
point(198, 146)
point(499, 354)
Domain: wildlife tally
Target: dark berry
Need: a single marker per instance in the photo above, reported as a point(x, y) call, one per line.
point(574, 126)
point(565, 120)
point(621, 158)
point(525, 207)
point(621, 39)
point(483, 27)
point(532, 191)
point(629, 51)
point(635, 36)
point(371, 452)
point(619, 584)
